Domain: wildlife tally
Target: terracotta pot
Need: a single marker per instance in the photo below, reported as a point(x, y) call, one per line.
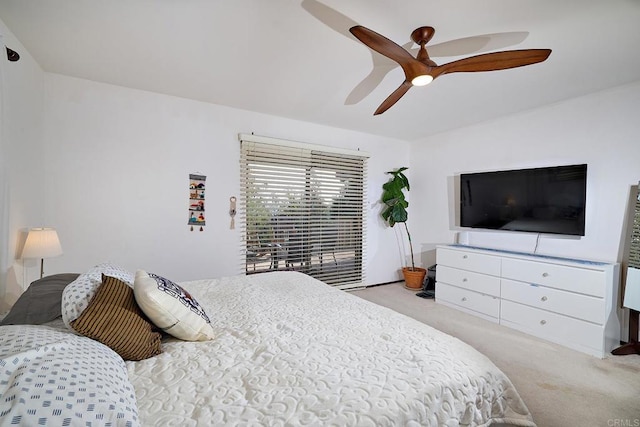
point(414, 278)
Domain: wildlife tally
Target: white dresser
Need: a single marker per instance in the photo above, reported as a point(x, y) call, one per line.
point(570, 302)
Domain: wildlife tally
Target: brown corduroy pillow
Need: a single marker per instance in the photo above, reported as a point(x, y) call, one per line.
point(114, 318)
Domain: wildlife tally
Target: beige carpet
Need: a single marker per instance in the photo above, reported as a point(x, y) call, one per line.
point(561, 387)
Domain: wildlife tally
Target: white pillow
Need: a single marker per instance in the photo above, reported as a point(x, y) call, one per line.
point(77, 294)
point(171, 308)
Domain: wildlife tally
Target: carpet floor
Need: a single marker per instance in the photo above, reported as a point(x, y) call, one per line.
point(561, 387)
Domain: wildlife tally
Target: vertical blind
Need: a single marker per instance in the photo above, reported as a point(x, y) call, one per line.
point(634, 251)
point(302, 209)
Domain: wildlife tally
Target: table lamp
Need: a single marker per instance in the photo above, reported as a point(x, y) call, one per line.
point(42, 243)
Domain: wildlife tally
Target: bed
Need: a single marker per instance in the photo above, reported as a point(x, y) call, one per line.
point(285, 350)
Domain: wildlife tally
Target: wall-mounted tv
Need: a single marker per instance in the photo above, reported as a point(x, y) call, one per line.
point(539, 200)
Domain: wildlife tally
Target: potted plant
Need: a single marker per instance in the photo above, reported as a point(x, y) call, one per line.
point(395, 212)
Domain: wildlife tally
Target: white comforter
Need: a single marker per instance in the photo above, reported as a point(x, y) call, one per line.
point(293, 351)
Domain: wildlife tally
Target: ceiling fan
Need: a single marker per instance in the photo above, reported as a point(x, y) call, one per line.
point(421, 70)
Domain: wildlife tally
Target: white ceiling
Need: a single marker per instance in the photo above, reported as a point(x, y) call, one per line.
point(296, 59)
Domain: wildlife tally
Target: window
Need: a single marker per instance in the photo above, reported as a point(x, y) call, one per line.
point(302, 209)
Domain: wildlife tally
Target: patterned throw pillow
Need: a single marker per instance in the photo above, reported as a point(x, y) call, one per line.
point(114, 319)
point(171, 308)
point(76, 296)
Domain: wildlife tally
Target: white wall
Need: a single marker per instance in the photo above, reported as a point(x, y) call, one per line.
point(117, 166)
point(108, 167)
point(600, 129)
point(21, 164)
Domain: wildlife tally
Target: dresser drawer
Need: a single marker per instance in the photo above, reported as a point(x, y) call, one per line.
point(469, 261)
point(554, 327)
point(580, 306)
point(470, 300)
point(566, 301)
point(478, 282)
point(581, 280)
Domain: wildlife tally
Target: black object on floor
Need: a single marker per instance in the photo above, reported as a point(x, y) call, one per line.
point(426, 294)
point(429, 285)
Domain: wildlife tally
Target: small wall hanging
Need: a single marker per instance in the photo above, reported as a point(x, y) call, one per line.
point(196, 200)
point(232, 211)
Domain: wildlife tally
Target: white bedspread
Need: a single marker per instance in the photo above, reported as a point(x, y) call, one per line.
point(292, 351)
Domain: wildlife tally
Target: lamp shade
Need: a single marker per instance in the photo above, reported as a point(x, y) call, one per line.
point(42, 243)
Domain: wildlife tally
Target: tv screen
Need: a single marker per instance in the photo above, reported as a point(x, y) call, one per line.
point(540, 200)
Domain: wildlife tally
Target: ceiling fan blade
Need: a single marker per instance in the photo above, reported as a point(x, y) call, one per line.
point(493, 61)
point(410, 65)
point(381, 67)
point(393, 98)
point(381, 44)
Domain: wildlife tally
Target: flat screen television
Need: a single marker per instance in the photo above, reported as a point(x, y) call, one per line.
point(538, 200)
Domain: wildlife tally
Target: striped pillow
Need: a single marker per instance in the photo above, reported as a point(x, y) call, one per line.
point(114, 318)
point(76, 295)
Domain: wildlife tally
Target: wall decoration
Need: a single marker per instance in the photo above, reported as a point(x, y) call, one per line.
point(196, 200)
point(232, 212)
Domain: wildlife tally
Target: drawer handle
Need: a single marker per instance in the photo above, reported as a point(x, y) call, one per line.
point(545, 274)
point(543, 299)
point(464, 298)
point(464, 257)
point(464, 279)
point(543, 322)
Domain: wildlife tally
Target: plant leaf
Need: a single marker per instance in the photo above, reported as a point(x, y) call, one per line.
point(393, 196)
point(399, 213)
point(405, 182)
